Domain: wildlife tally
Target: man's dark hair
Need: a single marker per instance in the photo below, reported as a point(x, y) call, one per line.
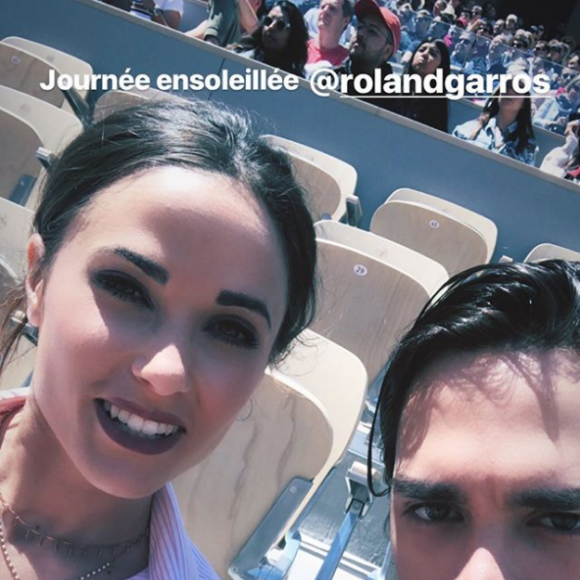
point(497, 307)
point(348, 9)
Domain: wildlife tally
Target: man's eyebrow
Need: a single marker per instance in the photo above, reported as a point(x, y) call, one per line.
point(544, 498)
point(427, 491)
point(229, 298)
point(146, 265)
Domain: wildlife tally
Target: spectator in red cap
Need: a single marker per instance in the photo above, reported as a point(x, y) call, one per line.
point(376, 39)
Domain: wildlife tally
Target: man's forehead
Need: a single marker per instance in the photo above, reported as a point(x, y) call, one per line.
point(335, 3)
point(374, 20)
point(494, 422)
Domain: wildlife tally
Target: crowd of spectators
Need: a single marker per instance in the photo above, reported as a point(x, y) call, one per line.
point(416, 37)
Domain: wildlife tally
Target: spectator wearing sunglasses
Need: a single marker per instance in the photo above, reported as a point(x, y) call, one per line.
point(463, 49)
point(280, 41)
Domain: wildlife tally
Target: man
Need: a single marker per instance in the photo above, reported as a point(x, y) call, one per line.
point(493, 62)
point(479, 414)
point(498, 27)
point(463, 49)
point(511, 24)
point(333, 18)
point(376, 39)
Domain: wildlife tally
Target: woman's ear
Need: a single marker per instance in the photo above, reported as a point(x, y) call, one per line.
point(34, 281)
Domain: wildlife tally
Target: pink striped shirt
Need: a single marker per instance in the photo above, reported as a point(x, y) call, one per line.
point(172, 555)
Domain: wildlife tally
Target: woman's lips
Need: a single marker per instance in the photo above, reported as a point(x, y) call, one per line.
point(136, 437)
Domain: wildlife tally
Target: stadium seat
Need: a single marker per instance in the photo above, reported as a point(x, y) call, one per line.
point(324, 200)
point(548, 251)
point(304, 416)
point(19, 167)
point(62, 61)
point(369, 299)
point(344, 173)
point(54, 126)
point(482, 224)
point(257, 476)
point(24, 71)
point(435, 230)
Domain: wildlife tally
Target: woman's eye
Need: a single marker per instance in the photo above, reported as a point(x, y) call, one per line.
point(235, 333)
point(436, 513)
point(564, 523)
point(123, 287)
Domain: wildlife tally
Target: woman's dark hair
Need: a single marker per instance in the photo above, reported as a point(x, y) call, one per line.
point(524, 130)
point(296, 52)
point(431, 112)
point(193, 135)
point(495, 307)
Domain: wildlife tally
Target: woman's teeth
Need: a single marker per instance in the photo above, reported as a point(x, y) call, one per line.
point(137, 425)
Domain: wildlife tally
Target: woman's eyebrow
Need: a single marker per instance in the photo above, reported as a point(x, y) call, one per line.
point(428, 491)
point(230, 298)
point(146, 265)
point(545, 498)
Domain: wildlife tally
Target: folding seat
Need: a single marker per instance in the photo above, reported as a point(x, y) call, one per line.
point(250, 491)
point(54, 126)
point(24, 71)
point(343, 174)
point(372, 289)
point(19, 167)
point(62, 61)
point(548, 251)
point(450, 234)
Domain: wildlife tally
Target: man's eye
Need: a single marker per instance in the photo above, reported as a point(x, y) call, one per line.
point(123, 287)
point(235, 333)
point(564, 523)
point(433, 513)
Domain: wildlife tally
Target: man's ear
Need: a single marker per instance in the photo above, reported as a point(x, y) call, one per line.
point(34, 281)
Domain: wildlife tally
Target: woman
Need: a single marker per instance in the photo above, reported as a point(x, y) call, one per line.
point(505, 127)
point(172, 260)
point(281, 40)
point(429, 56)
point(564, 161)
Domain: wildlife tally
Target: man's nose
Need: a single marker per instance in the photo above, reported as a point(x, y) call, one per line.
point(164, 370)
point(482, 565)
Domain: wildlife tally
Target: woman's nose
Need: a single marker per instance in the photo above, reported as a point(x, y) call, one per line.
point(165, 370)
